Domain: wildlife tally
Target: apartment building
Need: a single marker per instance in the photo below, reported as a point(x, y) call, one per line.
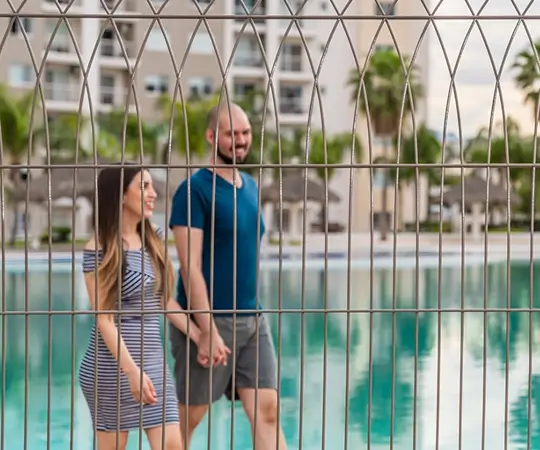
point(98, 60)
point(199, 52)
point(304, 65)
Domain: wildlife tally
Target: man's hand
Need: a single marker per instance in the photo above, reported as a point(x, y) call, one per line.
point(219, 353)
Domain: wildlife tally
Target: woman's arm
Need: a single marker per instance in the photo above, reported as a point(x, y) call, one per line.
point(177, 316)
point(175, 313)
point(105, 322)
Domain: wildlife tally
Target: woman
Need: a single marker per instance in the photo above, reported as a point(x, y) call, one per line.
point(124, 376)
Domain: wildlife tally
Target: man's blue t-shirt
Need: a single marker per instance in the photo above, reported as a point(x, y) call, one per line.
point(248, 236)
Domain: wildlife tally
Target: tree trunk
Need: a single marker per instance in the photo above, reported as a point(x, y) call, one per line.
point(324, 214)
point(14, 176)
point(428, 201)
point(384, 212)
point(400, 207)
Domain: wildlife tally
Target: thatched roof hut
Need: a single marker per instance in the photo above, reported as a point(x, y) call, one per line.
point(293, 189)
point(63, 180)
point(476, 191)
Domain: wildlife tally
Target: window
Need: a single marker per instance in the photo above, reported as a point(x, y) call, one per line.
point(290, 99)
point(156, 41)
point(260, 9)
point(202, 44)
point(241, 89)
point(24, 23)
point(62, 39)
point(21, 75)
point(387, 7)
point(107, 89)
point(157, 84)
point(200, 87)
point(248, 54)
point(291, 58)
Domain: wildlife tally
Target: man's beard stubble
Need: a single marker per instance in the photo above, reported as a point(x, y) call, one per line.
point(228, 160)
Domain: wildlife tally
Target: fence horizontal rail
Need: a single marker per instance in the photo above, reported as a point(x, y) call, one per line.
point(277, 166)
point(258, 17)
point(277, 311)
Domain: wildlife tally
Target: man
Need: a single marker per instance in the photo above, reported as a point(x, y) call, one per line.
point(207, 248)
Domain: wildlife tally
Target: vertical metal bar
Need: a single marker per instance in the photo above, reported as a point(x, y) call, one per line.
point(50, 304)
point(349, 281)
point(235, 275)
point(371, 261)
point(416, 288)
point(96, 280)
point(531, 289)
point(3, 347)
point(73, 305)
point(462, 307)
point(211, 287)
point(531, 275)
point(120, 306)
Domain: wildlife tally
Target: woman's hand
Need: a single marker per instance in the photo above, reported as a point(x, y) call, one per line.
point(220, 351)
point(148, 394)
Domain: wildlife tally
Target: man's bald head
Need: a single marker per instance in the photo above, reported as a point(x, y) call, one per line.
point(220, 112)
point(233, 138)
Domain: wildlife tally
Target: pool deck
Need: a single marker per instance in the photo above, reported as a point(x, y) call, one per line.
point(359, 245)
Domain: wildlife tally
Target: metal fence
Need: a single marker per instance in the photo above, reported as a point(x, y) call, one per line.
point(370, 268)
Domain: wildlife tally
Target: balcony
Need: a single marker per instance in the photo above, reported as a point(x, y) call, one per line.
point(249, 64)
point(61, 49)
point(294, 66)
point(62, 97)
point(113, 97)
point(291, 107)
point(50, 6)
point(248, 59)
point(125, 6)
point(291, 62)
point(112, 54)
point(58, 43)
point(259, 10)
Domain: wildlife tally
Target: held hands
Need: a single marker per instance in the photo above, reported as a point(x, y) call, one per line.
point(148, 394)
point(219, 353)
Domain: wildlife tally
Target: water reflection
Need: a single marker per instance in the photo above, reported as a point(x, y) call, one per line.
point(406, 357)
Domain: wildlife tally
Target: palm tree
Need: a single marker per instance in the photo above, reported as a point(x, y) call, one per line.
point(479, 150)
point(189, 128)
point(328, 150)
point(141, 137)
point(528, 75)
point(422, 148)
point(70, 133)
point(18, 139)
point(387, 81)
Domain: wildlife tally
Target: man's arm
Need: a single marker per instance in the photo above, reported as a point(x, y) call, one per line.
point(188, 235)
point(188, 216)
point(189, 249)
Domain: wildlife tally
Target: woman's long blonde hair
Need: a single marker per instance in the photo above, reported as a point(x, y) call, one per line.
point(113, 255)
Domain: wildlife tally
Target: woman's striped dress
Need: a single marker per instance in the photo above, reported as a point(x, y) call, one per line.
point(112, 406)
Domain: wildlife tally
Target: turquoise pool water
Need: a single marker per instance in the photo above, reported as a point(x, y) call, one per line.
point(410, 399)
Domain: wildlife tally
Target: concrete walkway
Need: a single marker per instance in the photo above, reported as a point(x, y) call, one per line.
point(361, 245)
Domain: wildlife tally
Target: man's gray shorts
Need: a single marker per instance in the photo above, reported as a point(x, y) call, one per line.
point(244, 361)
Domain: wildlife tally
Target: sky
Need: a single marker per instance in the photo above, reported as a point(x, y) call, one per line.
point(475, 78)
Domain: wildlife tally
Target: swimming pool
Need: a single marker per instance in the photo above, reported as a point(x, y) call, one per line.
point(335, 380)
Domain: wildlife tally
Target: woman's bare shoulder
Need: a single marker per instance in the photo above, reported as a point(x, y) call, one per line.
point(91, 244)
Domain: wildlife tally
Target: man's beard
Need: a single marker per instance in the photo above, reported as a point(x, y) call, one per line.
point(229, 160)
